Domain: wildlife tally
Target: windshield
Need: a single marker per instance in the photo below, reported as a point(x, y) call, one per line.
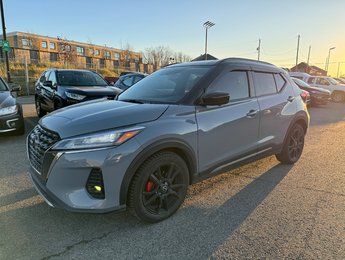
point(168, 85)
point(3, 86)
point(333, 81)
point(300, 82)
point(79, 79)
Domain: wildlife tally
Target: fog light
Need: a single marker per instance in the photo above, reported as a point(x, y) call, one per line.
point(98, 188)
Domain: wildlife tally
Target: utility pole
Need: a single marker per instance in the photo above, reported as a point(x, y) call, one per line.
point(4, 38)
point(259, 49)
point(308, 55)
point(299, 36)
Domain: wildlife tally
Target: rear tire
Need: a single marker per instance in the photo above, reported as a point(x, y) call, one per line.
point(293, 146)
point(159, 187)
point(338, 96)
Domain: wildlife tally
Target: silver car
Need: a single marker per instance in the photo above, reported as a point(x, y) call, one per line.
point(175, 127)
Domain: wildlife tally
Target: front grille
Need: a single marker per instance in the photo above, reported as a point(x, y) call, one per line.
point(94, 185)
point(39, 141)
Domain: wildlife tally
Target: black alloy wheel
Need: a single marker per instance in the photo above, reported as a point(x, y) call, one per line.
point(159, 187)
point(40, 112)
point(293, 146)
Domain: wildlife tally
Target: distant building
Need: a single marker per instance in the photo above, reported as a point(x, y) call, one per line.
point(203, 56)
point(312, 70)
point(41, 49)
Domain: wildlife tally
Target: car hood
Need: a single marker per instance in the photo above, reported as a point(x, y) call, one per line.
point(93, 116)
point(6, 99)
point(93, 91)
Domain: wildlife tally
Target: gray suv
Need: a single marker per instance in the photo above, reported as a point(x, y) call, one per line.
point(181, 124)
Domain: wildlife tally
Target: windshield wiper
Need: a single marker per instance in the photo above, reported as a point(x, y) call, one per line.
point(138, 101)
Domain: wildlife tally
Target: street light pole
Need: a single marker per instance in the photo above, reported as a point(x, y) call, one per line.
point(4, 38)
point(329, 56)
point(207, 26)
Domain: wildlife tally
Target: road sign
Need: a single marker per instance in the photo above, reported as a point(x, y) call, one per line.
point(5, 45)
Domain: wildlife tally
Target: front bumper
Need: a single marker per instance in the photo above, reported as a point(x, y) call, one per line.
point(12, 122)
point(63, 182)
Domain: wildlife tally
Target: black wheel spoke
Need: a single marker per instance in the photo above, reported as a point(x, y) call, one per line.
point(175, 194)
point(165, 203)
point(154, 178)
point(150, 200)
point(159, 173)
point(160, 204)
point(147, 193)
point(177, 186)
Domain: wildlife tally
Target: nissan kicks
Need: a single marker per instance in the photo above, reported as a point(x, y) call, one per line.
point(177, 126)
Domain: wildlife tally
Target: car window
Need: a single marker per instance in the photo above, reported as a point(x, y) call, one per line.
point(322, 81)
point(79, 78)
point(235, 83)
point(264, 83)
point(44, 76)
point(280, 81)
point(128, 81)
point(52, 77)
point(137, 78)
point(311, 80)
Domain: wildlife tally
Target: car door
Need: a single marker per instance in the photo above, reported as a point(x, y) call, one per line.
point(41, 90)
point(277, 108)
point(228, 132)
point(323, 83)
point(51, 91)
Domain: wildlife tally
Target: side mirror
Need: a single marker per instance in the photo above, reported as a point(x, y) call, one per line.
point(214, 99)
point(48, 83)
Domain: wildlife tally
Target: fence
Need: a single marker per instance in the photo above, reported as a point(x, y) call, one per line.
point(26, 72)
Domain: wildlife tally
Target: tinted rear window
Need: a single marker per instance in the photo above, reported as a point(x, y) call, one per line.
point(80, 79)
point(264, 83)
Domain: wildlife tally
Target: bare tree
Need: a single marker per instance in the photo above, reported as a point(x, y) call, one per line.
point(125, 55)
point(67, 52)
point(158, 56)
point(181, 57)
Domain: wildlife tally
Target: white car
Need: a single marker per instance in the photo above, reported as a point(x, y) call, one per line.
point(337, 89)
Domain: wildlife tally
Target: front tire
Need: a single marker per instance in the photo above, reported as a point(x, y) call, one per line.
point(159, 187)
point(39, 110)
point(293, 146)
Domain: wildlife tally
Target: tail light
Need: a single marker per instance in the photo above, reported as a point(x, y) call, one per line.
point(305, 96)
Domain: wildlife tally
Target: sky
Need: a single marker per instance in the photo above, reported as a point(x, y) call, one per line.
point(178, 24)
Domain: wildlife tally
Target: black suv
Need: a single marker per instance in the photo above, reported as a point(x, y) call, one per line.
point(57, 88)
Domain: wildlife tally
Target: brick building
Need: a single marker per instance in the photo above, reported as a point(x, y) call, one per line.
point(42, 49)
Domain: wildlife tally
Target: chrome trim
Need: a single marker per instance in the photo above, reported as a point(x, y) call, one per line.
point(8, 130)
point(11, 120)
point(56, 158)
point(241, 159)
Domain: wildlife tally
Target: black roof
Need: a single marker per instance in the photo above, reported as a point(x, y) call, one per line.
point(203, 56)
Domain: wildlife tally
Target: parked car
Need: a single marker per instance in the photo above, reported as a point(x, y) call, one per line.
point(337, 90)
point(319, 96)
point(111, 80)
point(299, 75)
point(11, 112)
point(128, 80)
point(180, 125)
point(340, 80)
point(57, 88)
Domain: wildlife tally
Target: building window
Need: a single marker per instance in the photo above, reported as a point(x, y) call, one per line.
point(53, 57)
point(116, 56)
point(26, 43)
point(52, 45)
point(91, 51)
point(80, 50)
point(65, 47)
point(107, 54)
point(96, 52)
point(101, 63)
point(116, 63)
point(44, 45)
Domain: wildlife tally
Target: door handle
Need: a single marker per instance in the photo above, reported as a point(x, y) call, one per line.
point(252, 113)
point(290, 98)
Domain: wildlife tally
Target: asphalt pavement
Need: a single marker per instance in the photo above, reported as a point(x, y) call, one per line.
point(261, 210)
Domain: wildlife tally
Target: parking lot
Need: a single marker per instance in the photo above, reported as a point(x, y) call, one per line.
point(262, 210)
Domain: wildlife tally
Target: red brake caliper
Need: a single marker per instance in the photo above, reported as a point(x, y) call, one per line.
point(149, 185)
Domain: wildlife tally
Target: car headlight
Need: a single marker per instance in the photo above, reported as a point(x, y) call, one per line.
point(74, 96)
point(8, 110)
point(98, 140)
